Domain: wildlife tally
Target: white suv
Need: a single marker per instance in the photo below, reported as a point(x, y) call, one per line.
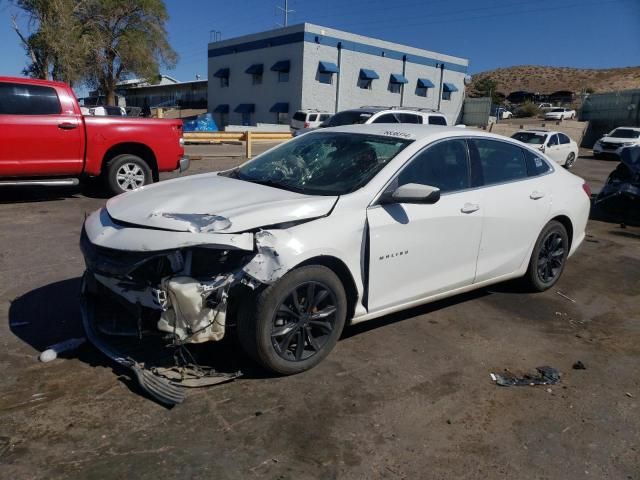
point(616, 139)
point(308, 119)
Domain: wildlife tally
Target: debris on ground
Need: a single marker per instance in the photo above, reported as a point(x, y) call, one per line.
point(579, 366)
point(628, 395)
point(545, 376)
point(52, 352)
point(564, 295)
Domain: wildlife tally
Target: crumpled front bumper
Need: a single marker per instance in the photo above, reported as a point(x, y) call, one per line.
point(155, 374)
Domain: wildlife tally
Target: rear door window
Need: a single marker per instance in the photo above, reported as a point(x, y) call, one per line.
point(563, 139)
point(500, 162)
point(386, 118)
point(408, 118)
point(18, 99)
point(437, 120)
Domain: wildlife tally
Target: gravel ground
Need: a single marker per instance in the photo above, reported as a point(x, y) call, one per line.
point(405, 396)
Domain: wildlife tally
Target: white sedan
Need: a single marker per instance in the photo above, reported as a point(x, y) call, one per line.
point(556, 145)
point(559, 114)
point(334, 227)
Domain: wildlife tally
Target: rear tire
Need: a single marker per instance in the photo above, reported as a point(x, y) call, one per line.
point(285, 331)
point(548, 257)
point(127, 172)
point(570, 161)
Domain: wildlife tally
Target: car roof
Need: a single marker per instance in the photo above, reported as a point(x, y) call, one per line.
point(32, 81)
point(637, 129)
point(373, 110)
point(411, 131)
point(539, 130)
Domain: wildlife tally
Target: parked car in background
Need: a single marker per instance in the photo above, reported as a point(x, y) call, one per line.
point(555, 145)
point(545, 106)
point(46, 140)
point(560, 113)
point(614, 140)
point(369, 115)
point(107, 110)
point(501, 113)
point(276, 246)
point(308, 119)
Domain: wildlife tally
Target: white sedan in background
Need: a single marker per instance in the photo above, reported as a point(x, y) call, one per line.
point(334, 227)
point(556, 145)
point(560, 114)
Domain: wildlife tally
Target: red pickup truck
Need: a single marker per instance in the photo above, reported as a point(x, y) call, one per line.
point(45, 140)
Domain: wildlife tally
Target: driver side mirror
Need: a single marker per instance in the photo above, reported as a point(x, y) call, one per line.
point(543, 148)
point(411, 193)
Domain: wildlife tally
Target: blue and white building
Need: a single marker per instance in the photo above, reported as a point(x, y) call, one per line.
point(266, 77)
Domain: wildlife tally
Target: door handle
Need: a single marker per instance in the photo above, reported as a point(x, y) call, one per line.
point(536, 195)
point(470, 208)
point(67, 126)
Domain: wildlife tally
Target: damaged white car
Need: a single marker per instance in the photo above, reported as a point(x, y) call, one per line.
point(337, 226)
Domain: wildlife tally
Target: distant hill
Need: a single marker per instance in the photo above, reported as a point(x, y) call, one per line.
point(538, 79)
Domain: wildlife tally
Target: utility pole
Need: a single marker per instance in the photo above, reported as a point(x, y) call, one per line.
point(286, 12)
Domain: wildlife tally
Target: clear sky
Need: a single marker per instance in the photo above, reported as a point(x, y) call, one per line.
point(490, 33)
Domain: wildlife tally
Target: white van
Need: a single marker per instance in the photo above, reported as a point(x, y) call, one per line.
point(308, 119)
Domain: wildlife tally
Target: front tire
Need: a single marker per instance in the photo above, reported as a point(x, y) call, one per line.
point(292, 325)
point(548, 257)
point(127, 172)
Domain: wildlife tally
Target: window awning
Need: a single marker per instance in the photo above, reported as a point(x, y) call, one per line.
point(255, 69)
point(449, 87)
point(222, 108)
point(281, 107)
point(327, 67)
point(222, 73)
point(245, 108)
point(368, 74)
point(281, 66)
point(425, 83)
point(398, 78)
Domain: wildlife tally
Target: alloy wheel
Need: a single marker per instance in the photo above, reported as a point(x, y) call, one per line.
point(304, 321)
point(130, 176)
point(571, 159)
point(551, 257)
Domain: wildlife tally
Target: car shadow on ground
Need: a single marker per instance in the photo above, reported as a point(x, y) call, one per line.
point(37, 194)
point(51, 314)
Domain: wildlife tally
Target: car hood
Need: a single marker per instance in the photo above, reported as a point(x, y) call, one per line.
point(210, 203)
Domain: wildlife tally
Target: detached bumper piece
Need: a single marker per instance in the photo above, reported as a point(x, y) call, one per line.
point(118, 329)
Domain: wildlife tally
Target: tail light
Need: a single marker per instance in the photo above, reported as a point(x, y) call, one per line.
point(587, 189)
point(307, 124)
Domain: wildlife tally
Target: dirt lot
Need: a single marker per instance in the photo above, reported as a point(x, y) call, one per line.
point(407, 396)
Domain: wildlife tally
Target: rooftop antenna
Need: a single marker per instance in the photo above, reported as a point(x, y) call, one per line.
point(215, 35)
point(286, 12)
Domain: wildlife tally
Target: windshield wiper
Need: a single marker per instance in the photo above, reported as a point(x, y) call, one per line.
point(272, 183)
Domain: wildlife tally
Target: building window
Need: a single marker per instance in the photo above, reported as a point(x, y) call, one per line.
point(422, 92)
point(326, 78)
point(223, 120)
point(282, 118)
point(224, 82)
point(446, 95)
point(395, 87)
point(246, 118)
point(256, 78)
point(365, 83)
point(283, 77)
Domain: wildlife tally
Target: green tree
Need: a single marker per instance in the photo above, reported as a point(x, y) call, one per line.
point(129, 38)
point(99, 42)
point(487, 87)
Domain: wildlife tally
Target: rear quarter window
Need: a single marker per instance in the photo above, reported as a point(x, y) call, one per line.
point(19, 99)
point(536, 165)
point(437, 120)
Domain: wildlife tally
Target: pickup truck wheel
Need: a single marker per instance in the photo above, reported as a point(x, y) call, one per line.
point(294, 323)
point(127, 172)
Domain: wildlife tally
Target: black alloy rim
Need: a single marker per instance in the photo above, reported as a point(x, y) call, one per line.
point(304, 321)
point(551, 257)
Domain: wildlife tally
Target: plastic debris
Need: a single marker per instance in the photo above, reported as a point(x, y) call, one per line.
point(563, 295)
point(52, 352)
point(545, 376)
point(579, 366)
